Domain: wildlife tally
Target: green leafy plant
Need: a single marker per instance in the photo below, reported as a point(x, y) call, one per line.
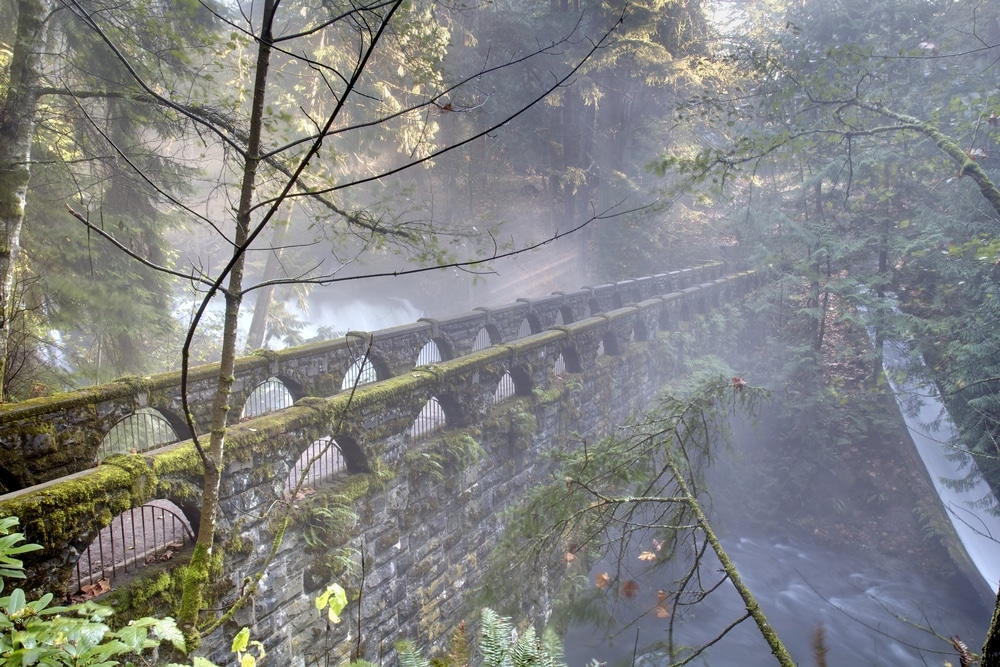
point(498, 646)
point(333, 600)
point(40, 633)
point(78, 635)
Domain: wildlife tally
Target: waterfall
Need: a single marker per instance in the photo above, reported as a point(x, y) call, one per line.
point(935, 438)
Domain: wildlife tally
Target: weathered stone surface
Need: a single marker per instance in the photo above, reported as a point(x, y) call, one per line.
point(419, 514)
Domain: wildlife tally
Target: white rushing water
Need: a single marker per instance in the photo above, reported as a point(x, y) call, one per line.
point(933, 434)
point(873, 611)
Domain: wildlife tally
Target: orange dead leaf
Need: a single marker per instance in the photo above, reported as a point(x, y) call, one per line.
point(662, 612)
point(630, 588)
point(569, 557)
point(647, 556)
point(738, 383)
point(93, 590)
point(601, 580)
point(661, 597)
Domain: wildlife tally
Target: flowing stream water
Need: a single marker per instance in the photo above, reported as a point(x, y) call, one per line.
point(872, 613)
point(874, 610)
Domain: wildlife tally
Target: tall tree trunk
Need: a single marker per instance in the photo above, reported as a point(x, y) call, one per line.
point(17, 125)
point(265, 295)
point(197, 573)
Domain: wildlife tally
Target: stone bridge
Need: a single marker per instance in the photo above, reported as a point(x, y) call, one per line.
point(411, 470)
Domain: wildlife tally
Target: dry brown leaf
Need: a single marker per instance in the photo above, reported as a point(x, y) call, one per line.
point(601, 581)
point(647, 556)
point(662, 612)
point(93, 590)
point(630, 588)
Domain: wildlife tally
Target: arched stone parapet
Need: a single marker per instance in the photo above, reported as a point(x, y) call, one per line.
point(575, 305)
point(487, 336)
point(64, 516)
point(647, 320)
point(458, 332)
point(46, 438)
point(583, 340)
point(691, 304)
point(601, 298)
point(628, 292)
point(506, 320)
point(642, 288)
point(534, 357)
point(314, 369)
point(617, 332)
point(710, 296)
point(546, 309)
point(400, 346)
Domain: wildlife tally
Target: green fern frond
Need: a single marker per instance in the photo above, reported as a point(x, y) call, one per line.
point(494, 639)
point(525, 652)
point(410, 655)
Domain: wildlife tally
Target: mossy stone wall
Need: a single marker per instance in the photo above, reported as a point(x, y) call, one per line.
point(46, 438)
point(423, 512)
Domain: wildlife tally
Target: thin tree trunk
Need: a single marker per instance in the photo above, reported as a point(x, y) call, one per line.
point(17, 125)
point(754, 611)
point(262, 305)
point(197, 574)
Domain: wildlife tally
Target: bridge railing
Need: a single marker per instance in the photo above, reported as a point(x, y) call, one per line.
point(373, 423)
point(49, 437)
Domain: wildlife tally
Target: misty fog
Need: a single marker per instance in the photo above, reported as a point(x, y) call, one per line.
point(185, 183)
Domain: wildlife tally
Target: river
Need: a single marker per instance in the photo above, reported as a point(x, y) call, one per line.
point(858, 597)
point(875, 609)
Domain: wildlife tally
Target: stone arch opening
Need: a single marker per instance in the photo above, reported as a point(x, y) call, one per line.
point(593, 307)
point(321, 461)
point(270, 395)
point(433, 351)
point(640, 332)
point(523, 384)
point(431, 418)
point(609, 343)
point(529, 325)
point(141, 431)
point(485, 337)
point(568, 361)
point(364, 370)
point(506, 389)
point(668, 315)
point(616, 301)
point(153, 532)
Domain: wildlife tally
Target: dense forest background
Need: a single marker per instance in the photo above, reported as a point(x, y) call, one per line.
point(847, 150)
